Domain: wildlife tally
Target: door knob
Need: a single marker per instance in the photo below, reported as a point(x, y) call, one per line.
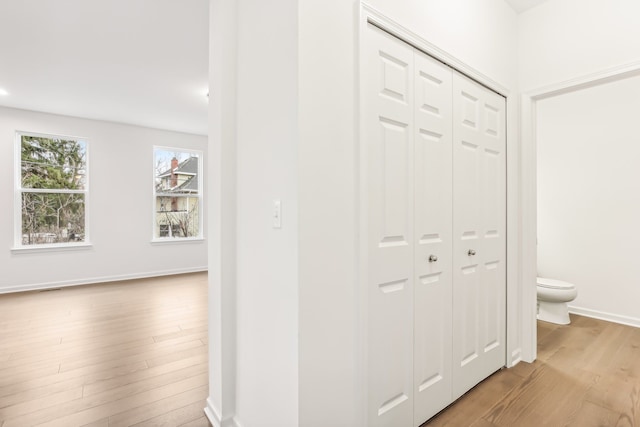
point(433, 258)
point(471, 252)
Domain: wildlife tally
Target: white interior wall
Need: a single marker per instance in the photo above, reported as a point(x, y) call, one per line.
point(267, 258)
point(481, 34)
point(588, 205)
point(298, 356)
point(327, 206)
point(120, 206)
point(222, 211)
point(565, 39)
point(563, 43)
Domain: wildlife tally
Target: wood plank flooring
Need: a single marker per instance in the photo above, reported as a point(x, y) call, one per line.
point(135, 353)
point(115, 354)
point(587, 374)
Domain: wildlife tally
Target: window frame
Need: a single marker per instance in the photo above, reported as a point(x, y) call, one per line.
point(18, 246)
point(199, 196)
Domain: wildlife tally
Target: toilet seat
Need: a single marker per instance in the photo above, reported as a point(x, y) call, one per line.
point(554, 284)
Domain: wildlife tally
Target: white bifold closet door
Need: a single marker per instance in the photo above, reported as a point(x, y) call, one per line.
point(389, 135)
point(479, 229)
point(432, 264)
point(434, 185)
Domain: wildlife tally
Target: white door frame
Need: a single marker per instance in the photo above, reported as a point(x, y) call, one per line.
point(521, 302)
point(221, 213)
point(528, 127)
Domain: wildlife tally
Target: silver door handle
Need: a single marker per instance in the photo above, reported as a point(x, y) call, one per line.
point(471, 252)
point(433, 258)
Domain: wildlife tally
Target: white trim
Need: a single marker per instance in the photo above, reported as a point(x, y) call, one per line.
point(607, 75)
point(213, 415)
point(190, 194)
point(174, 148)
point(17, 193)
point(102, 279)
point(377, 18)
point(59, 247)
point(528, 215)
point(516, 357)
point(51, 190)
point(528, 232)
point(50, 134)
point(609, 317)
point(361, 243)
point(210, 417)
point(176, 240)
point(222, 205)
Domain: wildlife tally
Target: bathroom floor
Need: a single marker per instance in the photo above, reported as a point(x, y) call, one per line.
point(587, 374)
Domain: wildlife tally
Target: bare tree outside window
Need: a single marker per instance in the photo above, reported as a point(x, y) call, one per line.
point(53, 187)
point(177, 194)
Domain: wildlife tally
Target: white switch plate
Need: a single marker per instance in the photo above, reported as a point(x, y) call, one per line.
point(277, 214)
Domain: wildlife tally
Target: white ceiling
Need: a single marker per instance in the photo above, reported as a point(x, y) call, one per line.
point(522, 5)
point(142, 62)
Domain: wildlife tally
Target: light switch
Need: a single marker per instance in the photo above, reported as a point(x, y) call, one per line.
point(277, 214)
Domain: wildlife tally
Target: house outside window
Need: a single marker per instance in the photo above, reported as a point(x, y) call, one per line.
point(51, 191)
point(177, 208)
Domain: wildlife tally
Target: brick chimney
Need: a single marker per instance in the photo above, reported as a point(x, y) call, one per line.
point(174, 183)
point(174, 177)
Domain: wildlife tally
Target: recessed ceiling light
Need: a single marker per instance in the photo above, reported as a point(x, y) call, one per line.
point(3, 92)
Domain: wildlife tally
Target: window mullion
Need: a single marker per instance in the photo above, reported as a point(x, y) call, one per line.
point(52, 191)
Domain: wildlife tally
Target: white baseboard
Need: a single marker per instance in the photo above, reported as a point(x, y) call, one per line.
point(92, 280)
point(516, 357)
point(213, 415)
point(610, 317)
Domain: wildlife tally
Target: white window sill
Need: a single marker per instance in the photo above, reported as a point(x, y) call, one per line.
point(51, 248)
point(177, 240)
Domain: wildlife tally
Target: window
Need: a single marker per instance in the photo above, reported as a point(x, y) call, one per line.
point(166, 231)
point(177, 201)
point(51, 190)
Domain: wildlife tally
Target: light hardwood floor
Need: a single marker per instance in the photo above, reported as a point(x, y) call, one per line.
point(114, 354)
point(587, 374)
point(135, 353)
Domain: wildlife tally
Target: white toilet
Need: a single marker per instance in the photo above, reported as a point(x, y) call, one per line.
point(553, 296)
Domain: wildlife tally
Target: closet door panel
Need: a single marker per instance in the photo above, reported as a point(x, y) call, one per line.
point(433, 222)
point(388, 144)
point(494, 230)
point(467, 172)
point(479, 233)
